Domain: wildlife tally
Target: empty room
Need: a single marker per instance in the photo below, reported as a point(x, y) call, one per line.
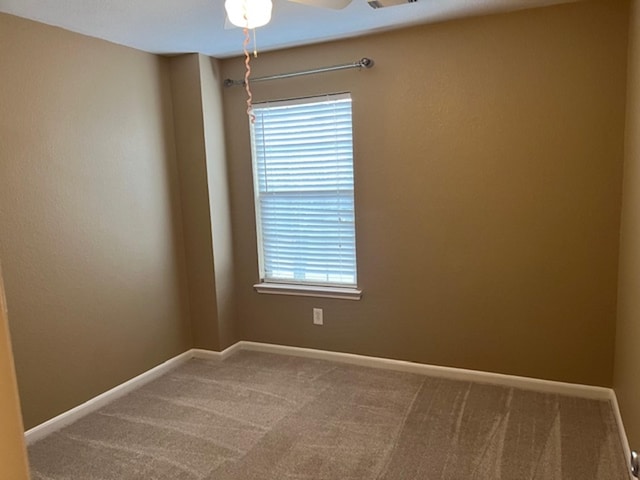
point(319, 239)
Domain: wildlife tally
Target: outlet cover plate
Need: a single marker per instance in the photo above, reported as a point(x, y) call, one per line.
point(317, 316)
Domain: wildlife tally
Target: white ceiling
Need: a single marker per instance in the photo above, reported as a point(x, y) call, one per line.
point(180, 26)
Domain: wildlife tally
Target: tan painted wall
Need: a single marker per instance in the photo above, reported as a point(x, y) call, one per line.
point(90, 229)
point(627, 359)
point(219, 202)
point(13, 458)
point(197, 107)
point(488, 158)
point(189, 123)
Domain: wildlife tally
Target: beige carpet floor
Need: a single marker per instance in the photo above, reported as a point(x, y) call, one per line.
point(259, 416)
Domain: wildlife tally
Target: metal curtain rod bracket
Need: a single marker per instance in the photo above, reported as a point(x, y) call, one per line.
point(363, 63)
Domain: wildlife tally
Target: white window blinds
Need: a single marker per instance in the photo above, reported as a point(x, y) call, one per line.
point(303, 183)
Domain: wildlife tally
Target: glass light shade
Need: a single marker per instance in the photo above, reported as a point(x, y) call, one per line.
point(248, 13)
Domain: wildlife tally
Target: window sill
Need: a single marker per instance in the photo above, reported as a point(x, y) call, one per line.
point(344, 293)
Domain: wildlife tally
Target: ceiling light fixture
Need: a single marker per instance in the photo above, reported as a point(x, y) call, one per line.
point(248, 13)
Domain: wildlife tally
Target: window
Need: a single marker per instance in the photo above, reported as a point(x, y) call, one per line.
point(303, 184)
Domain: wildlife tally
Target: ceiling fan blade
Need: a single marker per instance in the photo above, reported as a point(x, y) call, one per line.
point(333, 4)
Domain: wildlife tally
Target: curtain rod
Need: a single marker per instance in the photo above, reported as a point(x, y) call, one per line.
point(363, 63)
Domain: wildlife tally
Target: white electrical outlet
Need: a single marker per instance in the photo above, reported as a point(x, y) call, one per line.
point(317, 316)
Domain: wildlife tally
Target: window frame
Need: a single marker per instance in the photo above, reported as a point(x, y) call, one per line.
point(299, 287)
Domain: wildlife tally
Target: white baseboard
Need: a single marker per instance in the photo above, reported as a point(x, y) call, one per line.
point(56, 423)
point(621, 430)
point(205, 354)
point(548, 386)
point(212, 355)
